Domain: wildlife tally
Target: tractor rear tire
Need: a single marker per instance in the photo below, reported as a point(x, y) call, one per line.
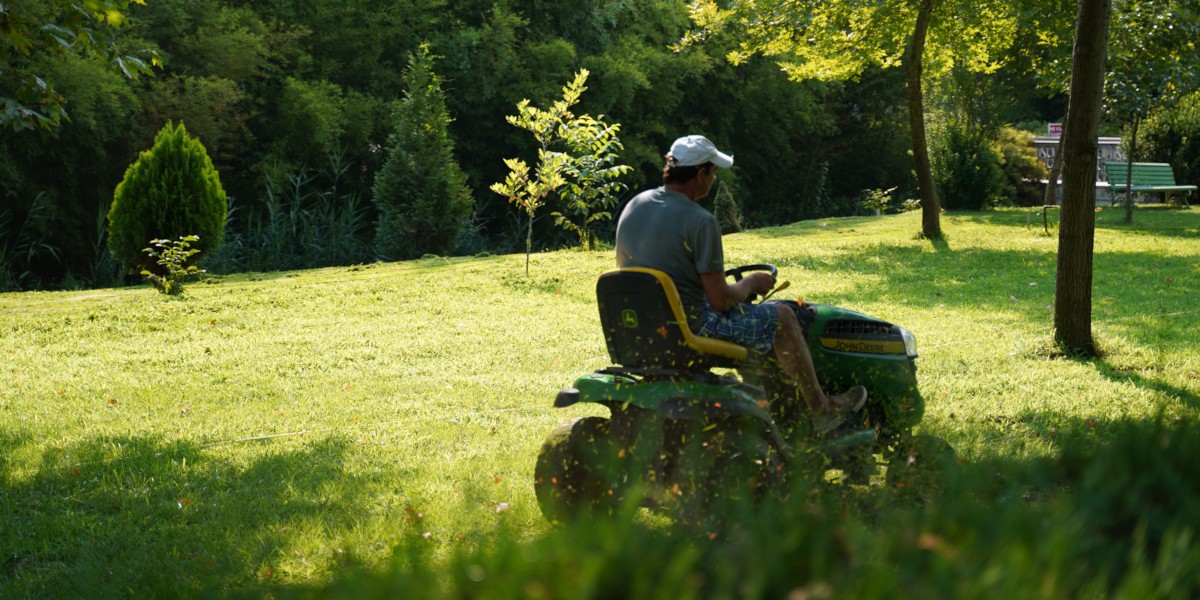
point(578, 472)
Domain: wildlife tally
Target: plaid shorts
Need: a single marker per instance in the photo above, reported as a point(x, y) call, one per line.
point(749, 325)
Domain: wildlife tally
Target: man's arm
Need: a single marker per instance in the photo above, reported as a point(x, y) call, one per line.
point(722, 296)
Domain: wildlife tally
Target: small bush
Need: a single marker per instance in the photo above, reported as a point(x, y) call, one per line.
point(1023, 171)
point(172, 257)
point(172, 190)
point(967, 170)
point(876, 201)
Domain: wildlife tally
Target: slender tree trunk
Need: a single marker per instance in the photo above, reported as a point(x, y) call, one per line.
point(1077, 231)
point(1051, 194)
point(931, 207)
point(1129, 171)
point(528, 243)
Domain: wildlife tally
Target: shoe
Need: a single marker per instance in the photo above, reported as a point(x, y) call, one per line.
point(823, 423)
point(851, 400)
point(844, 405)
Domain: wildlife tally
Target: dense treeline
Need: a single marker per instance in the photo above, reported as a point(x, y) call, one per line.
point(295, 103)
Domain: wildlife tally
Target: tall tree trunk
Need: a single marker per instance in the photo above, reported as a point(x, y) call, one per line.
point(1129, 171)
point(931, 207)
point(1077, 231)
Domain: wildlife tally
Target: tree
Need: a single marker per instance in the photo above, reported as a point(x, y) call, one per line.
point(28, 29)
point(839, 40)
point(592, 176)
point(171, 191)
point(550, 127)
point(1077, 228)
point(1169, 135)
point(421, 192)
point(1153, 61)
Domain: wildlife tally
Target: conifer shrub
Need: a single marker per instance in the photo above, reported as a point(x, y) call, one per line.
point(171, 191)
point(726, 210)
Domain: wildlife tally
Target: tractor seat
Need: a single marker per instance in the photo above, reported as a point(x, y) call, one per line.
point(645, 326)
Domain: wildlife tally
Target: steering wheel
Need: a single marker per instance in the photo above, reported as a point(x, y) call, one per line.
point(737, 272)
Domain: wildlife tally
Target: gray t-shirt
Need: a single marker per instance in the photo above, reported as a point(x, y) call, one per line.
point(665, 230)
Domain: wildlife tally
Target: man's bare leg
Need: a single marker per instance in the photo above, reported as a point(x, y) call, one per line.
point(796, 361)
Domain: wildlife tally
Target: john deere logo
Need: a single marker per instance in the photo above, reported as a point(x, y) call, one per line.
point(629, 318)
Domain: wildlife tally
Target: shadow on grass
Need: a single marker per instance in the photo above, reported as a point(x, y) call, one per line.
point(1020, 282)
point(1147, 220)
point(115, 516)
point(1187, 398)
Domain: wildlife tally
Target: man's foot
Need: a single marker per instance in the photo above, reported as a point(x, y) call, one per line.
point(843, 405)
point(850, 400)
point(823, 423)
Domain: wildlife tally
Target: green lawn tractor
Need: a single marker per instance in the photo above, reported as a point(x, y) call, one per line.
point(694, 420)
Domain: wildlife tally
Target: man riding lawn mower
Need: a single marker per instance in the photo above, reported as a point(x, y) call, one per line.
point(678, 433)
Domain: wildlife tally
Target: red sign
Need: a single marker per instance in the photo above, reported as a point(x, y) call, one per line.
point(1055, 129)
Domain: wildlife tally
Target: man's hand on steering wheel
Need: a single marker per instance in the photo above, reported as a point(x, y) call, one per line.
point(758, 284)
point(755, 280)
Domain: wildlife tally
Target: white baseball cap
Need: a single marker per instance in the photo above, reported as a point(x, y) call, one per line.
point(695, 150)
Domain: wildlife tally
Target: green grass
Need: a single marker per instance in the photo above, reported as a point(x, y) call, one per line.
point(270, 430)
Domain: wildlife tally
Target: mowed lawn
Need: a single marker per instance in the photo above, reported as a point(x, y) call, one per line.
point(277, 427)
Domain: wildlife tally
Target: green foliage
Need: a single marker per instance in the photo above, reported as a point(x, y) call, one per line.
point(967, 170)
point(312, 117)
point(421, 193)
point(273, 89)
point(838, 41)
point(71, 170)
point(213, 108)
point(224, 42)
point(1153, 58)
point(310, 218)
point(592, 177)
point(984, 537)
point(57, 27)
point(24, 246)
point(172, 257)
point(1172, 135)
point(172, 190)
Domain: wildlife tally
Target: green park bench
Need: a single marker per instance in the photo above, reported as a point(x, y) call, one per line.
point(1146, 177)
